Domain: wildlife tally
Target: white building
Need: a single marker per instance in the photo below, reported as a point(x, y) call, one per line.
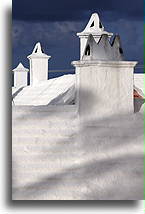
point(60, 159)
point(101, 72)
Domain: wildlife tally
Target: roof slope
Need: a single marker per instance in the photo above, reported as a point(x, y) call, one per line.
point(59, 91)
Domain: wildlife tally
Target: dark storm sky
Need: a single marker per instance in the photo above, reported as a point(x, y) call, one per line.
point(55, 24)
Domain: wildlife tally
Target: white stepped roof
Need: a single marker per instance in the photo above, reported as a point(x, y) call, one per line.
point(57, 91)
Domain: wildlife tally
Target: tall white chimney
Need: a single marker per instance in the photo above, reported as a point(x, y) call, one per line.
point(38, 65)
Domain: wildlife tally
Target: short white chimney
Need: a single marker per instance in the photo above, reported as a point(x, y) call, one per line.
point(95, 28)
point(20, 76)
point(38, 65)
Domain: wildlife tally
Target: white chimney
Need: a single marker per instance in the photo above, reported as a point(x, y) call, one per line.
point(20, 76)
point(38, 65)
point(94, 27)
point(104, 80)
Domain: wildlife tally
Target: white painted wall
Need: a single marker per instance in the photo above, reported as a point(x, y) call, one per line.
point(104, 88)
point(38, 70)
point(20, 79)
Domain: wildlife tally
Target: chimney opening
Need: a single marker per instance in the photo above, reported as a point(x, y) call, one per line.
point(92, 25)
point(87, 51)
point(121, 50)
point(100, 25)
point(36, 50)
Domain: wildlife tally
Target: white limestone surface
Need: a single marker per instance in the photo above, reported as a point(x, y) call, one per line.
point(56, 159)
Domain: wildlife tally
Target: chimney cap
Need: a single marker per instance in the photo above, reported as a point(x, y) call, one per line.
point(38, 52)
point(20, 68)
point(94, 27)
